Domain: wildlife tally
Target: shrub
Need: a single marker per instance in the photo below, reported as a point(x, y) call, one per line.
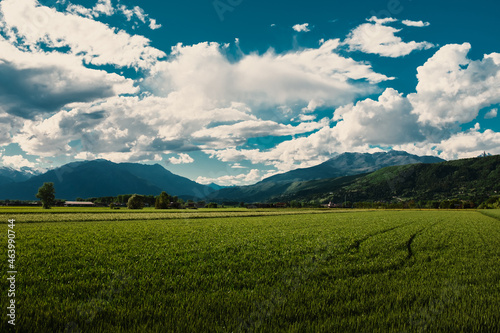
point(135, 202)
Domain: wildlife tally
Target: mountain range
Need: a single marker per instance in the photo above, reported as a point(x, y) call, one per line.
point(9, 175)
point(381, 176)
point(100, 178)
point(349, 164)
point(343, 165)
point(474, 179)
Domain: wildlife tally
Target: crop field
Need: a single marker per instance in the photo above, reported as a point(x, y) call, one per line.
point(91, 270)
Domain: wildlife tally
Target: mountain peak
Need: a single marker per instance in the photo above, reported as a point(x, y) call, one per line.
point(352, 163)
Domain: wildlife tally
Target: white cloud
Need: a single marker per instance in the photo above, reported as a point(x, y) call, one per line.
point(126, 127)
point(238, 166)
point(470, 144)
point(17, 162)
point(307, 117)
point(418, 24)
point(491, 114)
point(8, 127)
point(79, 10)
point(37, 82)
point(52, 104)
point(129, 13)
point(182, 159)
point(452, 88)
point(387, 121)
point(86, 156)
point(301, 27)
point(153, 25)
point(139, 13)
point(381, 21)
point(296, 153)
point(378, 38)
point(249, 178)
point(237, 134)
point(313, 105)
point(368, 123)
point(263, 81)
point(103, 7)
point(92, 41)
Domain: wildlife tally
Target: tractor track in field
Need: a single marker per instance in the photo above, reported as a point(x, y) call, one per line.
point(356, 244)
point(408, 244)
point(489, 215)
point(412, 238)
point(396, 265)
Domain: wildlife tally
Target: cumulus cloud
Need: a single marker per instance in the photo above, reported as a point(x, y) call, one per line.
point(452, 88)
point(17, 162)
point(181, 159)
point(301, 27)
point(358, 127)
point(103, 7)
point(249, 178)
point(125, 127)
point(386, 121)
point(239, 133)
point(94, 42)
point(197, 98)
point(292, 154)
point(32, 83)
point(470, 144)
point(153, 25)
point(263, 81)
point(8, 127)
point(377, 38)
point(418, 24)
point(491, 114)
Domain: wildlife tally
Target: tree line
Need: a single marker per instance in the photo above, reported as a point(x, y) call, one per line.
point(46, 194)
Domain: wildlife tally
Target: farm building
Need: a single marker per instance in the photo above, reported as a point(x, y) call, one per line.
point(79, 204)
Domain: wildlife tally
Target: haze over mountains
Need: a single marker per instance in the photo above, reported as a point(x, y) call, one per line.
point(104, 178)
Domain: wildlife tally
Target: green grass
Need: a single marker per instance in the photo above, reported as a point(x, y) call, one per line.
point(317, 271)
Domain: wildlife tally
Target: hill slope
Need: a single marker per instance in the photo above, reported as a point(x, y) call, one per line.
point(467, 179)
point(103, 178)
point(347, 164)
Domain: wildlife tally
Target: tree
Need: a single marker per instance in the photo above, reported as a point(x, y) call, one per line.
point(135, 202)
point(46, 194)
point(162, 201)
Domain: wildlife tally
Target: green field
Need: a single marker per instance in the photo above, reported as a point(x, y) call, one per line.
point(95, 270)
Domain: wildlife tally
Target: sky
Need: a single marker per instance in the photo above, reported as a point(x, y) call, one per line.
point(233, 91)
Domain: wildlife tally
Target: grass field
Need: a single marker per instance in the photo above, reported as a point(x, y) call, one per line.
point(92, 270)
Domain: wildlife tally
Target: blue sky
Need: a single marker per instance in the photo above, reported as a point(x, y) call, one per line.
point(232, 91)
